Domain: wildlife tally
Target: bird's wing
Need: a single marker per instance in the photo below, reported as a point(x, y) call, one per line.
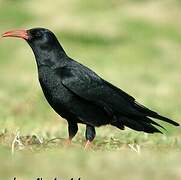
point(86, 84)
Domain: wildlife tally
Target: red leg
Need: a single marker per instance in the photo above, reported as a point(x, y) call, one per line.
point(72, 130)
point(89, 134)
point(87, 145)
point(68, 142)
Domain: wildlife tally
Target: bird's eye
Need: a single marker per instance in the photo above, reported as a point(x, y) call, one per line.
point(38, 34)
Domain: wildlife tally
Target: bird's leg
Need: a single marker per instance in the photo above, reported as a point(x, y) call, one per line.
point(90, 134)
point(72, 131)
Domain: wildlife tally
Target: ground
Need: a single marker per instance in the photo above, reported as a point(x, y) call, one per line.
point(133, 44)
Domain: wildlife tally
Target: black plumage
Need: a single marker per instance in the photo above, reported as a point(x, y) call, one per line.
point(81, 96)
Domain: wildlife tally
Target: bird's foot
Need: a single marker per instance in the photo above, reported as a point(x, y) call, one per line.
point(68, 142)
point(88, 145)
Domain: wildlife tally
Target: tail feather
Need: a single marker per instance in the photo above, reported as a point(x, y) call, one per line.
point(150, 113)
point(142, 120)
point(139, 125)
point(148, 120)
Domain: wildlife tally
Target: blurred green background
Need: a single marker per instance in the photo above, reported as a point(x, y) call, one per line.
point(135, 44)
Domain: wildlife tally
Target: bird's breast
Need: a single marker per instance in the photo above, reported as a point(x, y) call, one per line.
point(56, 94)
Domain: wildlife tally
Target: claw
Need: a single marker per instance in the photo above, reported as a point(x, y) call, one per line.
point(87, 145)
point(68, 142)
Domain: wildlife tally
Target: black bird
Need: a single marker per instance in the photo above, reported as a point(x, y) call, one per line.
point(81, 96)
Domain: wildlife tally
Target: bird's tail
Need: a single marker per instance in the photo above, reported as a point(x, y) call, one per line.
point(144, 124)
point(142, 121)
point(147, 112)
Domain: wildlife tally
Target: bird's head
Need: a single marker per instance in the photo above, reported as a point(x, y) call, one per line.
point(36, 37)
point(43, 43)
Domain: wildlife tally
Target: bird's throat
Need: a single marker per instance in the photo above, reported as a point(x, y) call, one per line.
point(51, 58)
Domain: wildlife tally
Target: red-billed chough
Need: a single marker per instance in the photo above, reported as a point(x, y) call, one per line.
point(81, 96)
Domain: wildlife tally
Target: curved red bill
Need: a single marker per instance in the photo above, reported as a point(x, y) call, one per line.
point(16, 33)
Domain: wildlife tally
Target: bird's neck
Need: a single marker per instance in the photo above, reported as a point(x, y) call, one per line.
point(53, 57)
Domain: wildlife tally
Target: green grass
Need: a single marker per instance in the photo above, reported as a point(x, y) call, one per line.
point(133, 44)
